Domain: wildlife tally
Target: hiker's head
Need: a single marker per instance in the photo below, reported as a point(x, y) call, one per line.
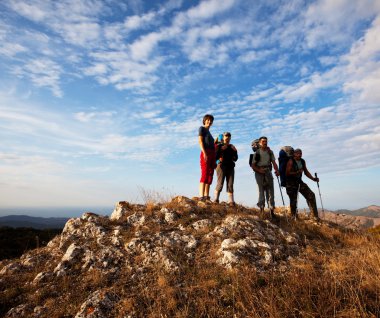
point(226, 137)
point(209, 118)
point(297, 154)
point(263, 141)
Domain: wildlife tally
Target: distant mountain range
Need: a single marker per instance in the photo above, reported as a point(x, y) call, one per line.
point(372, 211)
point(363, 218)
point(17, 221)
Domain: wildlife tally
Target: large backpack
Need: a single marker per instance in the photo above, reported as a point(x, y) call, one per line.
point(255, 146)
point(284, 155)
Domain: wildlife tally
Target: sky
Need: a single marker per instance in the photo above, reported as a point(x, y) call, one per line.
point(101, 101)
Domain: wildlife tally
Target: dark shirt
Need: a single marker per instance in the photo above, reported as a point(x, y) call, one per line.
point(229, 156)
point(208, 140)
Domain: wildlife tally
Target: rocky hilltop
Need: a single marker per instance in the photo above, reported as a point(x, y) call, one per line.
point(178, 259)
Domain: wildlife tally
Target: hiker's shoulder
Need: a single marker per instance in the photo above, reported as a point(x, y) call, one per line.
point(202, 130)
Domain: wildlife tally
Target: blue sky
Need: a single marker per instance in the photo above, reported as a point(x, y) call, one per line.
point(101, 101)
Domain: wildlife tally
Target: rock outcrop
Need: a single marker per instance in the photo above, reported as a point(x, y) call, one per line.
point(94, 252)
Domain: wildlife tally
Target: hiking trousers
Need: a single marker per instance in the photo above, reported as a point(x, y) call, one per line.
point(227, 173)
point(266, 189)
point(207, 167)
point(292, 191)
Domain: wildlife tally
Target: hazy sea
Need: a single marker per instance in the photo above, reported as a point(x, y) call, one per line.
point(55, 212)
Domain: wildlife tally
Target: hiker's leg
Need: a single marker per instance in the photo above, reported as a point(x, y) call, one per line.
point(292, 193)
point(230, 177)
point(210, 166)
point(310, 198)
point(201, 189)
point(207, 190)
point(203, 175)
point(260, 180)
point(219, 184)
point(270, 191)
point(207, 171)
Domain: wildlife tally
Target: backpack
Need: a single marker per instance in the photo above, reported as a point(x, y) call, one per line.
point(284, 155)
point(255, 145)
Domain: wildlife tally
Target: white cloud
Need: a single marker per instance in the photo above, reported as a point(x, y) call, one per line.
point(11, 49)
point(97, 117)
point(136, 22)
point(80, 33)
point(43, 73)
point(142, 48)
point(326, 21)
point(208, 9)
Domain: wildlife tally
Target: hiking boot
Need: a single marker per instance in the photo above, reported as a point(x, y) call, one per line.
point(207, 199)
point(272, 215)
point(232, 204)
point(216, 201)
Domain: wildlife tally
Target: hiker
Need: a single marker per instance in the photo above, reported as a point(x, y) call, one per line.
point(294, 184)
point(207, 157)
point(262, 165)
point(226, 154)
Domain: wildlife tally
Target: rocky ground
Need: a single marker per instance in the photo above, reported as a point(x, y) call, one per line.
point(98, 265)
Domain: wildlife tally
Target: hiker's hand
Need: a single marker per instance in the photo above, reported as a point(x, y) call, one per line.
point(277, 173)
point(316, 179)
point(205, 156)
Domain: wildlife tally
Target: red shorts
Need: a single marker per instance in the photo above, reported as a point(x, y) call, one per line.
point(207, 167)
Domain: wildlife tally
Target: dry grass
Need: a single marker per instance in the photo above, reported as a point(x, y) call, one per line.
point(337, 275)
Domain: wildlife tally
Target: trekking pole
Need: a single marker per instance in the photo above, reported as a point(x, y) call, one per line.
point(279, 185)
point(298, 192)
point(283, 203)
point(320, 196)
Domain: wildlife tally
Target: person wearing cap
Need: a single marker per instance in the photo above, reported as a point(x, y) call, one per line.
point(262, 166)
point(227, 155)
point(295, 167)
point(207, 157)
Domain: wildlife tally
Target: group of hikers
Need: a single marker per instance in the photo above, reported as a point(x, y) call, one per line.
point(221, 155)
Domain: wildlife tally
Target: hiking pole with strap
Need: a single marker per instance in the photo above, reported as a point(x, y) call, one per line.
point(320, 196)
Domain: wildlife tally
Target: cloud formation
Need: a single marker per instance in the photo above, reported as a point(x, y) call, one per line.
point(97, 81)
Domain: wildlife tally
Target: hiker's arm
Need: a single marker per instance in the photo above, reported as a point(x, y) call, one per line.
point(309, 175)
point(235, 155)
point(201, 144)
point(277, 173)
point(257, 168)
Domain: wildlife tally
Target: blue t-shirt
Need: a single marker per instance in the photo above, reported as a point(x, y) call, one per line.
point(208, 140)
